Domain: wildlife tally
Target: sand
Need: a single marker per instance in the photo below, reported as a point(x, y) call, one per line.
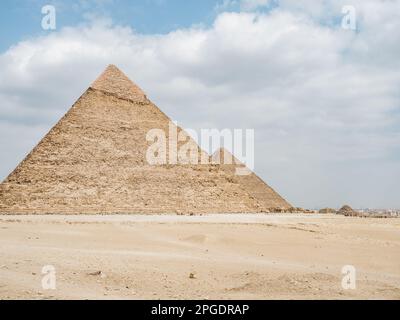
point(285, 256)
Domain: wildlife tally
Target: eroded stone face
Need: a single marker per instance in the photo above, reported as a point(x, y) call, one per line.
point(94, 161)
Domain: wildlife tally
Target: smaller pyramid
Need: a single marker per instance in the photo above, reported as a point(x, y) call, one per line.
point(267, 198)
point(347, 211)
point(224, 156)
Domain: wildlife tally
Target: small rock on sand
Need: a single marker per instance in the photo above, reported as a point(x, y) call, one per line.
point(97, 273)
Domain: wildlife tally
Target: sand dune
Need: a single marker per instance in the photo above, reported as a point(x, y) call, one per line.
point(229, 256)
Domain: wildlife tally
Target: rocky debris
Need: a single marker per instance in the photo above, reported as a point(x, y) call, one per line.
point(288, 210)
point(97, 273)
point(327, 210)
point(347, 211)
point(368, 213)
point(301, 210)
point(380, 213)
point(192, 275)
point(310, 211)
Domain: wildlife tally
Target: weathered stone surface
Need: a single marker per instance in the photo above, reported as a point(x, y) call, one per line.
point(115, 82)
point(267, 199)
point(94, 161)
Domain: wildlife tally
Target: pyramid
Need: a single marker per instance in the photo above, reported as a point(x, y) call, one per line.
point(93, 161)
point(267, 198)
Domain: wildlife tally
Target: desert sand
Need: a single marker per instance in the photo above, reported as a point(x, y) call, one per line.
point(275, 256)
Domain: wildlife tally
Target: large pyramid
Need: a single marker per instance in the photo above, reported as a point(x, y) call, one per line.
point(94, 161)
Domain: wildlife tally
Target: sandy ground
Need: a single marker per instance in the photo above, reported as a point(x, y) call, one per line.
point(231, 256)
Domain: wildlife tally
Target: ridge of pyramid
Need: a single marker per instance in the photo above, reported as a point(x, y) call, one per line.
point(113, 81)
point(266, 197)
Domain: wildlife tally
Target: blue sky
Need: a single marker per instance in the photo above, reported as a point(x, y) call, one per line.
point(324, 101)
point(19, 19)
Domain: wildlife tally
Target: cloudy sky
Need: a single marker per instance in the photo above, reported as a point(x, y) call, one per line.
point(324, 100)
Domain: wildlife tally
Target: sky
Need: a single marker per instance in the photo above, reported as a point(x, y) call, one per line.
point(323, 98)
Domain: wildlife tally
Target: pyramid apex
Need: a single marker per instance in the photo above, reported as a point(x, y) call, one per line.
point(113, 68)
point(222, 149)
point(113, 80)
point(224, 156)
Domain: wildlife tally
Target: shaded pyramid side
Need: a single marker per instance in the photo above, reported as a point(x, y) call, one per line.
point(93, 161)
point(267, 198)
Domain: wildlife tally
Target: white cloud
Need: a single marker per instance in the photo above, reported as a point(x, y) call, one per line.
point(324, 101)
